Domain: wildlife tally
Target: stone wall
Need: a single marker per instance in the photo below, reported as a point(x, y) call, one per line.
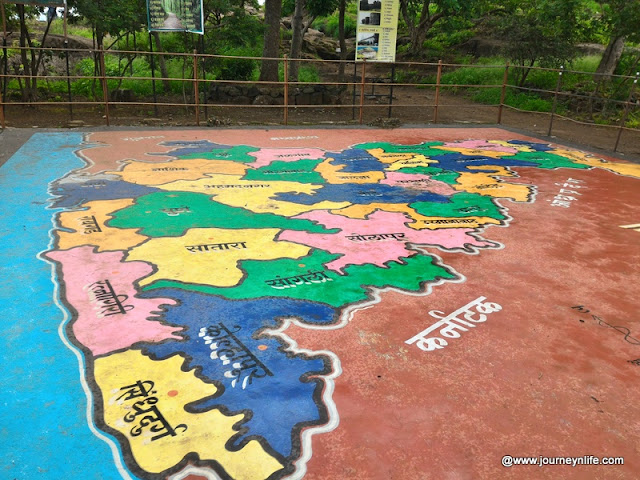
point(261, 95)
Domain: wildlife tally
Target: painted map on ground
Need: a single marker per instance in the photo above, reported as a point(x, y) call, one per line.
point(183, 262)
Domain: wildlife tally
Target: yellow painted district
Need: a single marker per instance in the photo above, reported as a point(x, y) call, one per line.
point(254, 195)
point(211, 256)
point(144, 400)
point(90, 227)
point(485, 183)
point(161, 173)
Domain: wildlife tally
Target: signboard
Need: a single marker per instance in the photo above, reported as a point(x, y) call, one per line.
point(175, 16)
point(377, 30)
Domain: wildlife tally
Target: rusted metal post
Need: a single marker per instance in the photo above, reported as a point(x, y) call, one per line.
point(393, 80)
point(196, 92)
point(152, 62)
point(437, 101)
point(286, 90)
point(5, 79)
point(353, 95)
point(204, 78)
point(2, 120)
point(626, 111)
point(105, 87)
point(503, 93)
point(69, 98)
point(364, 69)
point(555, 100)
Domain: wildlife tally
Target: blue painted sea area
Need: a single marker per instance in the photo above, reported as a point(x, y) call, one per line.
point(44, 427)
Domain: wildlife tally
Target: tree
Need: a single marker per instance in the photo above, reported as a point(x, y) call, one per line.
point(271, 49)
point(342, 6)
point(421, 15)
point(305, 13)
point(113, 17)
point(538, 31)
point(620, 22)
point(30, 60)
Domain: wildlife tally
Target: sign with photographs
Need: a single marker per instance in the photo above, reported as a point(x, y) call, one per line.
point(377, 30)
point(175, 16)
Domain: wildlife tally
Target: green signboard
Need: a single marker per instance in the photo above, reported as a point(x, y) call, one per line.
point(175, 16)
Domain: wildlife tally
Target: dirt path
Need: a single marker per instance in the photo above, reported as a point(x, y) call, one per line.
point(173, 22)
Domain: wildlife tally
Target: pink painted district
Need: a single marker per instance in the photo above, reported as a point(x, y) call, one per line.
point(375, 252)
point(82, 267)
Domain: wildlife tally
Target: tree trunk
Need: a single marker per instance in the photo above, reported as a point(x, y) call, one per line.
point(296, 40)
point(343, 43)
point(417, 28)
point(417, 35)
point(611, 57)
point(27, 93)
point(271, 49)
point(164, 73)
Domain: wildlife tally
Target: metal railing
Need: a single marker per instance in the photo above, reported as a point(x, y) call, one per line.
point(197, 84)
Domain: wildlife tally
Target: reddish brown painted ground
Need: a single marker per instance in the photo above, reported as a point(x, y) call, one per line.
point(533, 380)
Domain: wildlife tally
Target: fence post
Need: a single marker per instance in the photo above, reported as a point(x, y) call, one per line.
point(353, 95)
point(66, 55)
point(105, 87)
point(393, 80)
point(435, 107)
point(5, 70)
point(5, 79)
point(204, 78)
point(555, 100)
point(153, 75)
point(626, 111)
point(196, 92)
point(503, 93)
point(362, 82)
point(286, 90)
point(2, 121)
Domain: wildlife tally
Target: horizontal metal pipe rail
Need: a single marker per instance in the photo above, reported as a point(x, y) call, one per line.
point(195, 81)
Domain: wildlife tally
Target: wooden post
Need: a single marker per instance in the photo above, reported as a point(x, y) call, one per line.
point(555, 100)
point(503, 93)
point(286, 90)
point(435, 107)
point(626, 111)
point(364, 69)
point(105, 87)
point(196, 92)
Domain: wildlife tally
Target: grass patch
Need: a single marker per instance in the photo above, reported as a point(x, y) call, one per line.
point(523, 101)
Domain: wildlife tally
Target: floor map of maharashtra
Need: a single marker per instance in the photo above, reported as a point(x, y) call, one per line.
point(211, 287)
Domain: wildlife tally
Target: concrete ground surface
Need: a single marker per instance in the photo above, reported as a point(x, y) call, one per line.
point(415, 303)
